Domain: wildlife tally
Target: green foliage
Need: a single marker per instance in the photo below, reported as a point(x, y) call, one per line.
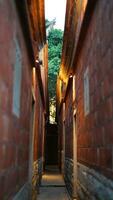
point(54, 53)
point(54, 56)
point(55, 37)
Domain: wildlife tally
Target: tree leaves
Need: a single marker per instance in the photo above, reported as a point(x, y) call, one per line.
point(55, 37)
point(54, 53)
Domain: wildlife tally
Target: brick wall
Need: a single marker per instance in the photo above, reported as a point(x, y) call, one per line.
point(69, 123)
point(14, 128)
point(21, 104)
point(60, 139)
point(65, 135)
point(38, 130)
point(95, 130)
point(68, 162)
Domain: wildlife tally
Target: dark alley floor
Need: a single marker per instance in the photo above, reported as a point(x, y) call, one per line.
point(52, 186)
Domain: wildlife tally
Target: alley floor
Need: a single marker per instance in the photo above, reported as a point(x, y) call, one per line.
point(52, 186)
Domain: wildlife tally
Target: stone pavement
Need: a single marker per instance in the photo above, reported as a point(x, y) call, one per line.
point(52, 186)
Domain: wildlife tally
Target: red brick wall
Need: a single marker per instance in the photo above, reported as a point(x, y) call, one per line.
point(38, 124)
point(40, 135)
point(95, 131)
point(60, 137)
point(14, 132)
point(69, 124)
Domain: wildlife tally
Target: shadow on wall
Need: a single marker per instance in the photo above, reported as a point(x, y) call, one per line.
point(51, 146)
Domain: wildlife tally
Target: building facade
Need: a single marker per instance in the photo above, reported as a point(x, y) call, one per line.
point(23, 97)
point(85, 100)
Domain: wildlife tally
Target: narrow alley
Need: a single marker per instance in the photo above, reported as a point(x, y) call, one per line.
point(52, 186)
point(70, 157)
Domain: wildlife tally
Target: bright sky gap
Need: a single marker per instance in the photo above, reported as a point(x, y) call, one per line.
point(56, 9)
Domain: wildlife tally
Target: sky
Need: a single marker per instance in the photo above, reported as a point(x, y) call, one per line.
point(56, 9)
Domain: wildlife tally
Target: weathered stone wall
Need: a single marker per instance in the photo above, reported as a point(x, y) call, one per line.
point(24, 193)
point(93, 185)
point(36, 179)
point(68, 175)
